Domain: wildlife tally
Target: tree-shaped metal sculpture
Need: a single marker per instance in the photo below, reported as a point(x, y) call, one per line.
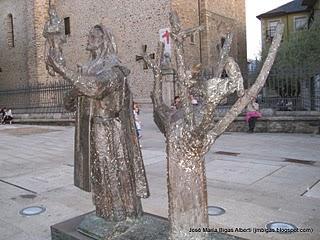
point(188, 140)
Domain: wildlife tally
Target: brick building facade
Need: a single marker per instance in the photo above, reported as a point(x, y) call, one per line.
point(133, 22)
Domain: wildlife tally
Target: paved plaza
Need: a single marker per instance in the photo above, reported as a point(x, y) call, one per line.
point(256, 178)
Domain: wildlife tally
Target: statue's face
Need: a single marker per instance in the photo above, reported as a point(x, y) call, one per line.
point(95, 39)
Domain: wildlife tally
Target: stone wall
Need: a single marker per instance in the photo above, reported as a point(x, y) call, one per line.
point(279, 125)
point(133, 23)
point(40, 16)
point(14, 60)
point(188, 11)
point(23, 64)
point(221, 17)
point(309, 123)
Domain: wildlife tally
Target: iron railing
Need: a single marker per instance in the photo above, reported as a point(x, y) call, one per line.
point(283, 91)
point(35, 98)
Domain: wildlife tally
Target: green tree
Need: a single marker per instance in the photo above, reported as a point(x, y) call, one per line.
point(301, 51)
point(298, 59)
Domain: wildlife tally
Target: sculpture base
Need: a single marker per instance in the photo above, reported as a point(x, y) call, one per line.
point(91, 227)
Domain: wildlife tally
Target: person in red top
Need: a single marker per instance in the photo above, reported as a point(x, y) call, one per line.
point(252, 114)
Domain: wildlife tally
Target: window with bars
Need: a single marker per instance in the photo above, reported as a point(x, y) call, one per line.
point(271, 30)
point(300, 23)
point(10, 31)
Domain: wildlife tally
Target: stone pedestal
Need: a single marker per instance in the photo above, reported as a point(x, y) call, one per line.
point(91, 227)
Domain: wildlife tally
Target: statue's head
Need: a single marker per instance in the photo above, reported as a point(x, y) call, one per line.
point(101, 38)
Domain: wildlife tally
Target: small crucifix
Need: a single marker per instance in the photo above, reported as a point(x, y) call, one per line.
point(139, 58)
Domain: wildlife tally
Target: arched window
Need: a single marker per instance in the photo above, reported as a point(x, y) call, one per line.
point(10, 34)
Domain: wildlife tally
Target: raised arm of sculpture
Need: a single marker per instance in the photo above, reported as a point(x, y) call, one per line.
point(89, 85)
point(161, 110)
point(243, 101)
point(183, 76)
point(212, 103)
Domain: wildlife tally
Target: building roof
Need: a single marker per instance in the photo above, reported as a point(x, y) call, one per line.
point(309, 3)
point(291, 7)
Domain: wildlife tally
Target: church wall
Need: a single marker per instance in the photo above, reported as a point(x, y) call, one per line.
point(133, 23)
point(13, 60)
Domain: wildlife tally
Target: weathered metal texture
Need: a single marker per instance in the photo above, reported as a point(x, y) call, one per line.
point(187, 187)
point(118, 179)
point(82, 105)
point(189, 138)
point(82, 144)
point(147, 227)
point(73, 101)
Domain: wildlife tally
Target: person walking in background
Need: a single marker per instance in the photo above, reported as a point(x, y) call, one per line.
point(136, 112)
point(252, 114)
point(8, 116)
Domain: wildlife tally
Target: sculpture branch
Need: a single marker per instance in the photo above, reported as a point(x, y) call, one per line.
point(207, 120)
point(183, 76)
point(223, 55)
point(161, 110)
point(242, 102)
point(188, 32)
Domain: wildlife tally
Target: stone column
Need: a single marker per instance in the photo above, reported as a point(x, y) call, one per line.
point(37, 14)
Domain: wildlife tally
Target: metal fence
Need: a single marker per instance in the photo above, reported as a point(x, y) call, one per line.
point(35, 98)
point(296, 90)
point(284, 91)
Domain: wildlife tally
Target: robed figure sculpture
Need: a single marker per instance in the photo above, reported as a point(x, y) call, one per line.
point(118, 179)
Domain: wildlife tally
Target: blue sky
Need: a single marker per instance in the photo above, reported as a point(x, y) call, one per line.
point(253, 9)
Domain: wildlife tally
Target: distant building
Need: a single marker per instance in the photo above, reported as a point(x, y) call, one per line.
point(298, 85)
point(134, 23)
point(314, 9)
point(293, 15)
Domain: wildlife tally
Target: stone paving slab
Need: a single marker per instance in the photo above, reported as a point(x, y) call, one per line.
point(43, 181)
point(26, 131)
point(255, 187)
point(291, 180)
point(238, 172)
point(314, 192)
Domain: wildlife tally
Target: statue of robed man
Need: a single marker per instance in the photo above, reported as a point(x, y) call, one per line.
point(118, 179)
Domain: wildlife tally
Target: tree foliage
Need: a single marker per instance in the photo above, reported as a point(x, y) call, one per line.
point(301, 51)
point(298, 60)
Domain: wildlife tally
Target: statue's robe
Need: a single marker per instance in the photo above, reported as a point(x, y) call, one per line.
point(82, 144)
point(112, 153)
point(82, 105)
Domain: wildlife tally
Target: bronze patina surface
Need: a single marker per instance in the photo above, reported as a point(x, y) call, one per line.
point(118, 179)
point(190, 134)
